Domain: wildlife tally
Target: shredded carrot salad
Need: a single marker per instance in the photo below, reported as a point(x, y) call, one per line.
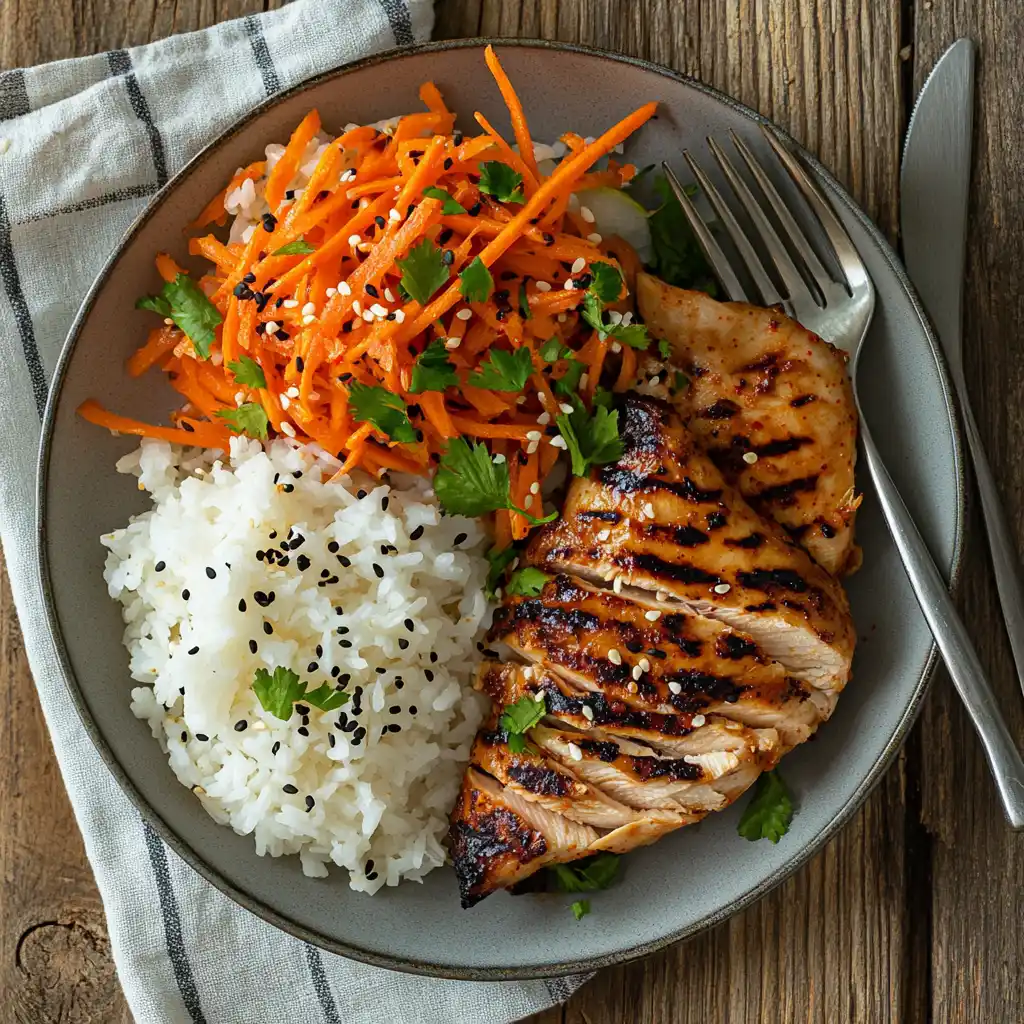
point(425, 289)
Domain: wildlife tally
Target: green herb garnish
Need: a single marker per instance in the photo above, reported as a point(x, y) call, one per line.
point(524, 303)
point(184, 302)
point(580, 909)
point(499, 559)
point(633, 335)
point(423, 271)
point(248, 373)
point(246, 419)
point(517, 719)
point(499, 180)
point(678, 259)
point(433, 370)
point(526, 582)
point(300, 247)
point(370, 403)
point(450, 205)
point(592, 439)
point(770, 810)
point(606, 282)
point(278, 693)
point(504, 371)
point(475, 282)
point(587, 875)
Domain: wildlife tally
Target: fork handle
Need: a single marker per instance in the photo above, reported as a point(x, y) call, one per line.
point(952, 639)
point(1005, 563)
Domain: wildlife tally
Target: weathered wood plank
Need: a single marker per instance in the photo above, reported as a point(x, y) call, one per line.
point(976, 864)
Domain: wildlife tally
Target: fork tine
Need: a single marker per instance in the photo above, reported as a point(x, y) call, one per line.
point(769, 294)
point(814, 266)
point(721, 266)
point(849, 259)
point(799, 293)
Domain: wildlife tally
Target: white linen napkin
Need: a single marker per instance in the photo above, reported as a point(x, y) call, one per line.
point(84, 144)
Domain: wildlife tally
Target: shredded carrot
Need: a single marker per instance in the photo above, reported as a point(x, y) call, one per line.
point(160, 341)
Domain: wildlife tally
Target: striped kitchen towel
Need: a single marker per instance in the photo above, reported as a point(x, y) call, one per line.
point(84, 144)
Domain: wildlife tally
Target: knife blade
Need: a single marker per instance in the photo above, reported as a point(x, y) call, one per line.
point(934, 193)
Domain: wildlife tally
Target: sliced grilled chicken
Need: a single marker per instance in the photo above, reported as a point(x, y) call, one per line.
point(647, 829)
point(542, 779)
point(497, 838)
point(676, 662)
point(760, 383)
point(662, 519)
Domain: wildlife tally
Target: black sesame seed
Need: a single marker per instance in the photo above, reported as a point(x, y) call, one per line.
point(459, 538)
point(416, 534)
point(346, 328)
point(433, 657)
point(330, 739)
point(345, 644)
point(287, 488)
point(399, 683)
point(372, 876)
point(444, 237)
point(379, 570)
point(655, 653)
point(429, 675)
point(394, 709)
point(185, 595)
point(187, 427)
point(253, 646)
point(319, 650)
point(413, 709)
point(283, 561)
point(312, 666)
point(202, 737)
point(267, 628)
point(242, 605)
point(302, 709)
point(346, 678)
point(241, 725)
point(302, 730)
point(342, 630)
point(159, 567)
point(249, 278)
point(334, 672)
point(380, 671)
point(193, 650)
point(360, 494)
point(474, 210)
point(211, 572)
point(409, 625)
point(384, 502)
point(263, 599)
point(305, 719)
point(310, 803)
point(403, 644)
point(303, 563)
point(447, 257)
point(181, 690)
point(325, 573)
point(290, 789)
point(333, 546)
point(299, 364)
point(371, 289)
point(634, 646)
point(276, 747)
point(184, 736)
point(394, 727)
point(269, 222)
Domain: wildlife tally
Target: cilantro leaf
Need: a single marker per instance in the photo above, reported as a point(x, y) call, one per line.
point(450, 205)
point(246, 419)
point(423, 271)
point(770, 810)
point(580, 909)
point(587, 875)
point(433, 371)
point(499, 180)
point(569, 382)
point(606, 283)
point(300, 247)
point(326, 698)
point(468, 483)
point(603, 398)
point(184, 302)
point(527, 582)
point(277, 693)
point(677, 259)
point(634, 335)
point(504, 371)
point(475, 282)
point(592, 440)
point(517, 719)
point(248, 373)
point(524, 303)
point(664, 349)
point(680, 382)
point(371, 403)
point(499, 559)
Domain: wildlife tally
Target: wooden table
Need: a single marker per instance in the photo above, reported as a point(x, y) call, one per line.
point(915, 912)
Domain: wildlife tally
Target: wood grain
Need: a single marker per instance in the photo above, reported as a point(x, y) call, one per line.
point(914, 912)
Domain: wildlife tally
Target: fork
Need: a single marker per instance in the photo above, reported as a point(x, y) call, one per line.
point(840, 311)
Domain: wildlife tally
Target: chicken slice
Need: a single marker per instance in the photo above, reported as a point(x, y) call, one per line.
point(662, 519)
point(497, 838)
point(678, 662)
point(760, 383)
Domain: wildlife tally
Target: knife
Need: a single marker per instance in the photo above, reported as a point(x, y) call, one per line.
point(934, 184)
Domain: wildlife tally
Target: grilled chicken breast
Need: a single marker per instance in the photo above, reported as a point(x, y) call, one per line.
point(762, 384)
point(663, 520)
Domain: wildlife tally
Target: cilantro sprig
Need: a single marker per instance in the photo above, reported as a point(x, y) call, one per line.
point(527, 582)
point(450, 205)
point(517, 719)
point(770, 810)
point(592, 439)
point(498, 560)
point(371, 403)
point(423, 271)
point(433, 370)
point(499, 180)
point(184, 302)
point(248, 418)
point(580, 909)
point(504, 371)
point(551, 352)
point(278, 692)
point(469, 483)
point(475, 282)
point(588, 875)
point(678, 259)
point(300, 247)
point(248, 372)
point(606, 287)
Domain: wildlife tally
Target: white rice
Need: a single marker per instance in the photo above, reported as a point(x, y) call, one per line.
point(385, 798)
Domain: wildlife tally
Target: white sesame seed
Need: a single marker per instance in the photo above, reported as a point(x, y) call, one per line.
point(533, 435)
point(292, 392)
point(578, 264)
point(614, 657)
point(614, 317)
point(544, 419)
point(258, 725)
point(588, 712)
point(357, 307)
point(528, 501)
point(389, 295)
point(559, 442)
point(528, 672)
point(368, 316)
point(399, 316)
point(356, 324)
point(535, 487)
point(394, 215)
point(331, 292)
point(721, 588)
point(272, 327)
point(285, 401)
point(603, 535)
point(309, 309)
point(565, 407)
point(344, 288)
point(637, 672)
point(595, 237)
point(290, 303)
point(521, 400)
point(750, 458)
point(575, 753)
point(348, 175)
point(675, 687)
point(498, 459)
point(378, 310)
point(464, 314)
point(542, 286)
point(538, 696)
point(697, 721)
point(653, 615)
point(532, 447)
point(364, 203)
point(584, 379)
point(453, 342)
point(617, 585)
point(616, 347)
point(239, 397)
point(354, 239)
point(168, 321)
point(287, 428)
point(645, 665)
point(562, 318)
point(648, 510)
point(587, 214)
point(569, 285)
point(308, 319)
point(627, 319)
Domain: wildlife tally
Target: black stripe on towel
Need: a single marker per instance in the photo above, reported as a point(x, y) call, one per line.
point(399, 20)
point(172, 926)
point(323, 991)
point(16, 297)
point(121, 64)
point(117, 195)
point(13, 94)
point(261, 54)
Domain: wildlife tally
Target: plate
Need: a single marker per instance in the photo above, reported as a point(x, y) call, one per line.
point(689, 880)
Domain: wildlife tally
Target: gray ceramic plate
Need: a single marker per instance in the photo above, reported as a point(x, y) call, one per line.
point(687, 881)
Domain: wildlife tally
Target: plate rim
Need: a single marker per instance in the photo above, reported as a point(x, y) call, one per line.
point(193, 857)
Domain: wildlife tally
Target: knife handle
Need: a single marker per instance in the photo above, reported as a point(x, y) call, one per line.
point(952, 638)
point(1005, 563)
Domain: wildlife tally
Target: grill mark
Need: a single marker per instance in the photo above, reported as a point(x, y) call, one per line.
point(769, 580)
point(661, 569)
point(785, 494)
point(542, 780)
point(736, 647)
point(645, 768)
point(783, 446)
point(614, 713)
point(765, 362)
point(764, 606)
point(723, 409)
point(716, 520)
point(604, 750)
point(701, 689)
point(803, 400)
point(681, 536)
point(627, 481)
point(750, 543)
point(605, 517)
